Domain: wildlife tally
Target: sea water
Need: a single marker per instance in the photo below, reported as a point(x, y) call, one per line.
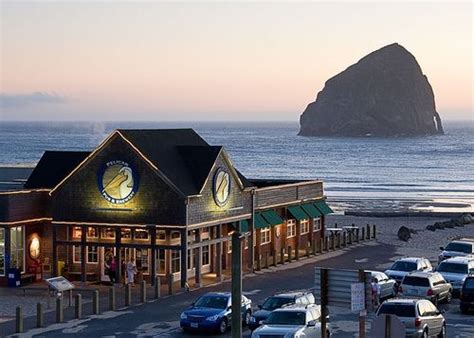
point(431, 167)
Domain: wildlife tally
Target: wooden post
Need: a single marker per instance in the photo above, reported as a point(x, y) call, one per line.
point(289, 254)
point(313, 245)
point(78, 306)
point(39, 315)
point(333, 239)
point(357, 235)
point(95, 302)
point(274, 257)
point(282, 255)
point(266, 260)
point(19, 319)
point(112, 305)
point(374, 232)
point(157, 287)
point(259, 261)
point(59, 310)
point(128, 295)
point(321, 244)
point(363, 233)
point(170, 283)
point(324, 301)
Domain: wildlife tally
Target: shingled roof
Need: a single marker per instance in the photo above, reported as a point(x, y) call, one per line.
point(53, 167)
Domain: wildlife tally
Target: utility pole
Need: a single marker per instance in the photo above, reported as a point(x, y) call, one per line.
point(236, 285)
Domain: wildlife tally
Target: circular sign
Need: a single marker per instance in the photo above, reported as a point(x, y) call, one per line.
point(221, 186)
point(34, 248)
point(117, 182)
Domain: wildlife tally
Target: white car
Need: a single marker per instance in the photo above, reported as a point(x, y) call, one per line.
point(387, 285)
point(455, 270)
point(462, 247)
point(292, 321)
point(403, 266)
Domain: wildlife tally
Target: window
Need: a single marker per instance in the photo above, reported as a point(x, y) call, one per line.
point(92, 256)
point(141, 234)
point(92, 232)
point(160, 235)
point(304, 226)
point(142, 260)
point(17, 245)
point(2, 252)
point(175, 261)
point(107, 233)
point(265, 235)
point(175, 237)
point(205, 234)
point(76, 232)
point(205, 255)
point(126, 234)
point(316, 224)
point(290, 228)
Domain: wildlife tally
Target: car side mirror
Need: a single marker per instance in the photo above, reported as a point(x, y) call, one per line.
point(259, 306)
point(311, 323)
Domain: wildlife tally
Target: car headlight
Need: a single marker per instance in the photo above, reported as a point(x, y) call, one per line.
point(212, 318)
point(184, 316)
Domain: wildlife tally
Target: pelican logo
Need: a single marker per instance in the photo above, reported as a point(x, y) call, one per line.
point(221, 186)
point(118, 182)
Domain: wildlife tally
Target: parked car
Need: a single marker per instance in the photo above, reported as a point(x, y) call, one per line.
point(420, 316)
point(212, 312)
point(409, 264)
point(466, 296)
point(277, 301)
point(462, 247)
point(292, 321)
point(428, 285)
point(455, 270)
point(388, 287)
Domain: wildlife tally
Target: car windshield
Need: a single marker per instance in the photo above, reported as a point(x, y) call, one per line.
point(452, 267)
point(273, 303)
point(416, 281)
point(286, 318)
point(212, 301)
point(459, 247)
point(469, 283)
point(403, 266)
point(400, 310)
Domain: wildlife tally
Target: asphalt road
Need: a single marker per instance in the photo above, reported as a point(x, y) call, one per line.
point(161, 317)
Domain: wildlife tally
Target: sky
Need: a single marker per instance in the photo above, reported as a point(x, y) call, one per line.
point(232, 61)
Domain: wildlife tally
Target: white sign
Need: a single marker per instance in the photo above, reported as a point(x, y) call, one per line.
point(60, 284)
point(357, 297)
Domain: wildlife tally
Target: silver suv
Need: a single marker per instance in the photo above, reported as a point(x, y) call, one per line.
point(427, 285)
point(461, 247)
point(420, 317)
point(455, 270)
point(409, 264)
point(292, 321)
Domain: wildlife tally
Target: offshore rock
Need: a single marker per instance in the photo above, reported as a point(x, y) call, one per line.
point(385, 94)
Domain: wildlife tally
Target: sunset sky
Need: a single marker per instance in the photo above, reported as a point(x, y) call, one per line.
point(214, 61)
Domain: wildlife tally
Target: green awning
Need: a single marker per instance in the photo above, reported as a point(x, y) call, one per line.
point(298, 212)
point(272, 217)
point(244, 226)
point(323, 207)
point(260, 222)
point(311, 210)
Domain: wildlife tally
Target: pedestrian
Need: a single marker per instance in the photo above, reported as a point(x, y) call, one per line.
point(112, 270)
point(131, 271)
point(375, 293)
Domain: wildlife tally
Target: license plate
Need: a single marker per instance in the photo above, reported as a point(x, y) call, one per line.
point(194, 325)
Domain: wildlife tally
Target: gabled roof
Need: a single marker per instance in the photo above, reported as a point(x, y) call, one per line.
point(53, 167)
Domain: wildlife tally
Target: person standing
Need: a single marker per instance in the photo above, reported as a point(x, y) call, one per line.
point(112, 270)
point(375, 293)
point(131, 271)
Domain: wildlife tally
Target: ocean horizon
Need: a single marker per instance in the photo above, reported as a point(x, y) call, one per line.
point(438, 168)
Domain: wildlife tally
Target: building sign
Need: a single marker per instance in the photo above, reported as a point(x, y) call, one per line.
point(117, 182)
point(221, 186)
point(34, 248)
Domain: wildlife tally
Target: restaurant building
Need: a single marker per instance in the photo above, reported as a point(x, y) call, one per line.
point(165, 198)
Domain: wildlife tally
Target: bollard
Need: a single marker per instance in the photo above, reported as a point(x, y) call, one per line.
point(112, 306)
point(289, 254)
point(363, 233)
point(344, 239)
point(70, 297)
point(259, 262)
point(274, 258)
point(95, 302)
point(39, 315)
point(266, 260)
point(19, 319)
point(128, 295)
point(374, 232)
point(282, 256)
point(307, 248)
point(59, 310)
point(321, 245)
point(313, 247)
point(326, 243)
point(157, 287)
point(297, 252)
point(143, 291)
point(78, 306)
point(170, 284)
point(333, 239)
point(357, 235)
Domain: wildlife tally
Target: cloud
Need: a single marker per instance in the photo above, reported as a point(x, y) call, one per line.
point(24, 100)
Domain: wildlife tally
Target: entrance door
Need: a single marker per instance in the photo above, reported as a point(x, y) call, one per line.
point(106, 255)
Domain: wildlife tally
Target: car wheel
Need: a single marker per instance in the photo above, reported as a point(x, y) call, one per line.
point(424, 334)
point(247, 317)
point(442, 334)
point(223, 326)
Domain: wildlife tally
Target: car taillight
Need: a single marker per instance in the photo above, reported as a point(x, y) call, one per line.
point(417, 322)
point(430, 292)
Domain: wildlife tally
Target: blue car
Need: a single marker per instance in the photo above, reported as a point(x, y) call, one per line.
point(212, 312)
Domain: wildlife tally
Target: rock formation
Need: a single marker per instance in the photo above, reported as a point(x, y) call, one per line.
point(384, 94)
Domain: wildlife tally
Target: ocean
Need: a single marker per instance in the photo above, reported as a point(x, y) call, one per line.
point(437, 168)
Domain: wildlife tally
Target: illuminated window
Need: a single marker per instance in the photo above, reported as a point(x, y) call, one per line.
point(17, 246)
point(175, 261)
point(76, 254)
point(92, 232)
point(290, 228)
point(265, 235)
point(107, 233)
point(141, 234)
point(316, 224)
point(175, 237)
point(76, 232)
point(205, 255)
point(304, 226)
point(2, 252)
point(126, 234)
